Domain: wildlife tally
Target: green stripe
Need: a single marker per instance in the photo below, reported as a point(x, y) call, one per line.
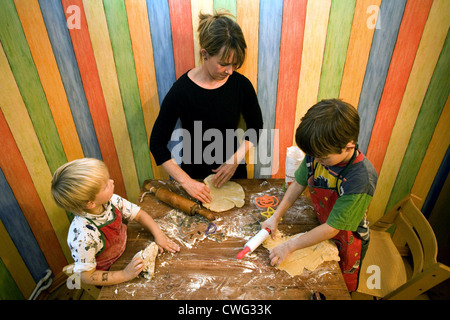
point(338, 36)
point(426, 122)
point(119, 33)
point(22, 65)
point(8, 287)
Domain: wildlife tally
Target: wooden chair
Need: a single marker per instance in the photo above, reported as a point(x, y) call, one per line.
point(78, 284)
point(384, 273)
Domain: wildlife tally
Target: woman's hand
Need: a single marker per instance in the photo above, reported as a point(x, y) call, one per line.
point(198, 190)
point(223, 174)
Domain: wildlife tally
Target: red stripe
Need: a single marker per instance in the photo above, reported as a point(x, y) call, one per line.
point(19, 179)
point(410, 33)
point(292, 30)
point(89, 74)
point(182, 36)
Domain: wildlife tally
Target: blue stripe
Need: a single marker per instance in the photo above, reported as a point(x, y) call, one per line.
point(270, 19)
point(383, 44)
point(20, 232)
point(58, 33)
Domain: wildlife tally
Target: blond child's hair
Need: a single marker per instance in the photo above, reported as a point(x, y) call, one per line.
point(76, 183)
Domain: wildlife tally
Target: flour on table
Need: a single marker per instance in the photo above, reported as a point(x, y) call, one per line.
point(149, 256)
point(228, 196)
point(307, 258)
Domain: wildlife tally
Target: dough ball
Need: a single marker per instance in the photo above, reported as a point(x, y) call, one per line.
point(228, 196)
point(149, 256)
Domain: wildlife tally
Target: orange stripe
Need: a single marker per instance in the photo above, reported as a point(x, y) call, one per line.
point(36, 33)
point(19, 179)
point(294, 14)
point(94, 95)
point(410, 33)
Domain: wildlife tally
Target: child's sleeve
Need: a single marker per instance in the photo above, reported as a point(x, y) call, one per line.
point(128, 209)
point(84, 241)
point(301, 174)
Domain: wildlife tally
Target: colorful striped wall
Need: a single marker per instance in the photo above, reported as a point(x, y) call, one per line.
point(85, 78)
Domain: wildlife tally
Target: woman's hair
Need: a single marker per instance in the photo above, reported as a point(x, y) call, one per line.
point(327, 128)
point(220, 31)
point(76, 183)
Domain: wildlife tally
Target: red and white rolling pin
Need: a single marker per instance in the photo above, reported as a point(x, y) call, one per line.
point(254, 242)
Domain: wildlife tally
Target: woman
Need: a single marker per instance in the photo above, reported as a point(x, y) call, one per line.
point(209, 100)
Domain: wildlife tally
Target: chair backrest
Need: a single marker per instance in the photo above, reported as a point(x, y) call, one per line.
point(412, 229)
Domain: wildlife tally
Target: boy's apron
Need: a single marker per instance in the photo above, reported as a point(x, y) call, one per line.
point(114, 237)
point(348, 242)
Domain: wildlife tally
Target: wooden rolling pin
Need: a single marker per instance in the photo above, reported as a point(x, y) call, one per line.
point(181, 203)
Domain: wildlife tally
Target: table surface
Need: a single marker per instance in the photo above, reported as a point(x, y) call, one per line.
point(206, 266)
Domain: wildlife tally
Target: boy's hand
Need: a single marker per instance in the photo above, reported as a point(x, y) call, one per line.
point(134, 268)
point(165, 243)
point(279, 254)
point(272, 224)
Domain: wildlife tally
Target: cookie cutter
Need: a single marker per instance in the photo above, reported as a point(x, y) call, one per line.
point(269, 212)
point(266, 201)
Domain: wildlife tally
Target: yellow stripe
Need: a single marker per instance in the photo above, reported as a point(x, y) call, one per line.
point(317, 14)
point(205, 6)
point(20, 124)
point(14, 263)
point(98, 32)
point(428, 53)
point(247, 16)
point(437, 148)
point(41, 50)
point(145, 69)
point(358, 52)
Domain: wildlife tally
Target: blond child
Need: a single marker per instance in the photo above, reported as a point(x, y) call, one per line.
point(97, 236)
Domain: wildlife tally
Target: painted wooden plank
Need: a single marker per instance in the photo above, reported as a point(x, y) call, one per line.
point(292, 30)
point(126, 73)
point(358, 50)
point(270, 18)
point(410, 33)
point(436, 202)
point(20, 232)
point(19, 122)
point(145, 69)
point(82, 47)
point(15, 264)
point(182, 36)
point(430, 47)
point(160, 28)
point(384, 39)
point(21, 61)
point(98, 32)
point(433, 158)
point(338, 35)
point(19, 179)
point(197, 6)
point(427, 120)
point(41, 50)
point(247, 16)
point(225, 5)
point(317, 15)
point(58, 33)
point(8, 288)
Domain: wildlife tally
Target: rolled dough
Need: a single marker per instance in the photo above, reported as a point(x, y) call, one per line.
point(307, 258)
point(228, 196)
point(149, 256)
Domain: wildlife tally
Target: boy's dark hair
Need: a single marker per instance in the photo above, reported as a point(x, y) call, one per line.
point(327, 128)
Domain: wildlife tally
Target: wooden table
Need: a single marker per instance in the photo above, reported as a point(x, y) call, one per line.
point(206, 266)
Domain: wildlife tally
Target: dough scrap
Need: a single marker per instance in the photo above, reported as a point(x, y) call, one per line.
point(149, 256)
point(228, 196)
point(307, 258)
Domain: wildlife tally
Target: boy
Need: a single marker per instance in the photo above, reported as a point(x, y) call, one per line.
point(97, 237)
point(341, 181)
